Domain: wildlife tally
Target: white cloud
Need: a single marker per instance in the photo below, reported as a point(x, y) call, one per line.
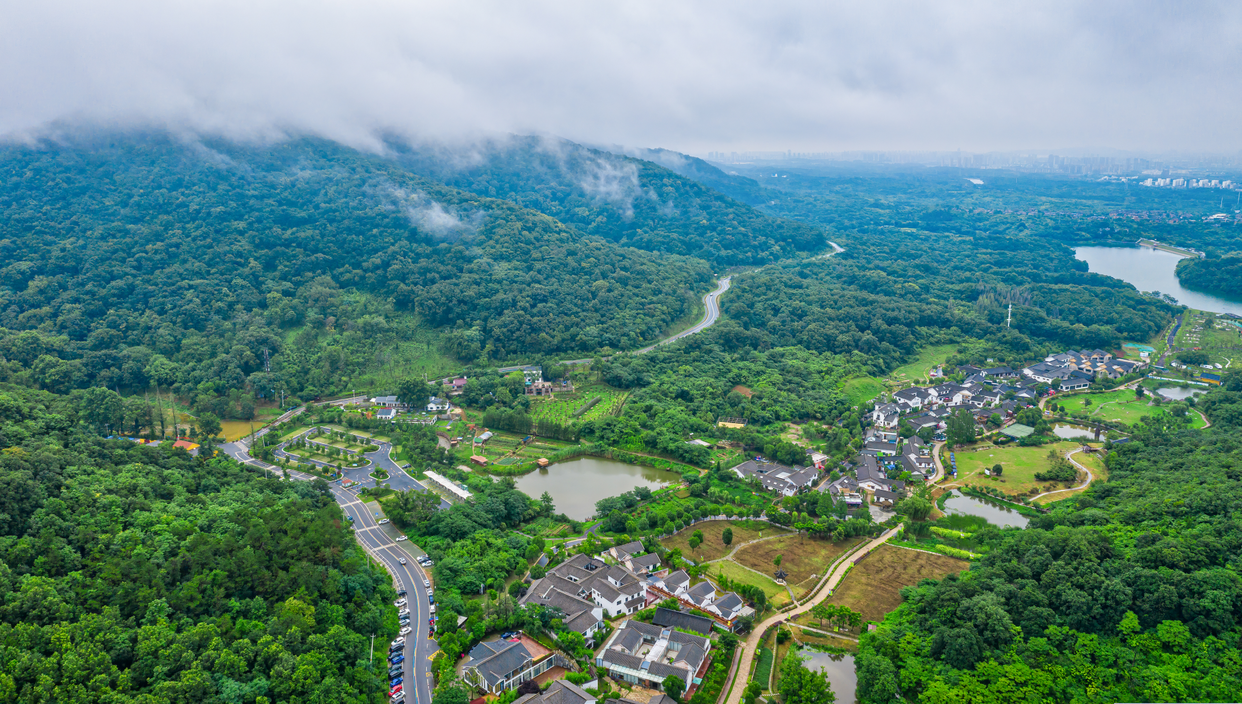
point(692, 76)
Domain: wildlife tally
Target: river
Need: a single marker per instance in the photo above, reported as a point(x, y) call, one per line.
point(1151, 270)
point(575, 485)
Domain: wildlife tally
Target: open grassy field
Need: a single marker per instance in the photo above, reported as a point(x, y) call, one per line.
point(862, 389)
point(929, 359)
point(234, 429)
point(777, 595)
point(1093, 462)
point(803, 558)
point(1020, 465)
point(873, 587)
point(1109, 406)
point(712, 548)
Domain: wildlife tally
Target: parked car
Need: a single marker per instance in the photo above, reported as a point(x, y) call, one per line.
point(405, 631)
point(402, 537)
point(395, 659)
point(398, 640)
point(401, 593)
point(426, 583)
point(396, 689)
point(399, 602)
point(383, 521)
point(394, 671)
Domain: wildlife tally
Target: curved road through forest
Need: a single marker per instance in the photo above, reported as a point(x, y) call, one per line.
point(416, 673)
point(712, 303)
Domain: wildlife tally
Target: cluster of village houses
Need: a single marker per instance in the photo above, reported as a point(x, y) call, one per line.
point(586, 590)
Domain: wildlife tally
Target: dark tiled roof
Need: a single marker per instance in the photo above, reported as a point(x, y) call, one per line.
point(676, 619)
point(497, 666)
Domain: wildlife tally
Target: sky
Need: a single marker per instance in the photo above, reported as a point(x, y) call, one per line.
point(689, 76)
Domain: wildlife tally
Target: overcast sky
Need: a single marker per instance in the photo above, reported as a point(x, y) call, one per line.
point(689, 76)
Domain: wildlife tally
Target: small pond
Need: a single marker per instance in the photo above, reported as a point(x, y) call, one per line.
point(575, 485)
point(1177, 394)
point(991, 512)
point(1072, 432)
point(840, 670)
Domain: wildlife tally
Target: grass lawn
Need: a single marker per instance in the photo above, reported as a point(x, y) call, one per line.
point(1110, 406)
point(763, 667)
point(711, 547)
point(860, 390)
point(777, 595)
point(234, 429)
point(929, 359)
point(802, 557)
point(873, 587)
point(294, 433)
point(1020, 465)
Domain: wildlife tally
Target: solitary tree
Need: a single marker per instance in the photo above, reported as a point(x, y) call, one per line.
point(726, 536)
point(778, 559)
point(997, 469)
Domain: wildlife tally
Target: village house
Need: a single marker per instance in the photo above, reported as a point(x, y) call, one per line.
point(437, 405)
point(646, 655)
point(778, 478)
point(500, 665)
point(613, 587)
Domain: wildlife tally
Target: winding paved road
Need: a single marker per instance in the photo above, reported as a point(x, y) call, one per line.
point(712, 303)
point(380, 544)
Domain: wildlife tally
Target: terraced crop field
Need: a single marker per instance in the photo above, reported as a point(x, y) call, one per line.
point(567, 408)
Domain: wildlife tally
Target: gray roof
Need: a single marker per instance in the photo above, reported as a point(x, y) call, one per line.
point(729, 603)
point(631, 548)
point(497, 665)
point(646, 561)
point(561, 692)
point(677, 579)
point(676, 619)
point(701, 590)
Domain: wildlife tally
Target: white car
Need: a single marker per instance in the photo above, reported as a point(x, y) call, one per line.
point(402, 537)
point(405, 631)
point(398, 640)
point(383, 521)
point(426, 583)
point(402, 560)
point(399, 602)
point(429, 592)
point(403, 612)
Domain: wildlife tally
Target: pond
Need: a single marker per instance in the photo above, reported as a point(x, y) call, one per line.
point(1178, 394)
point(993, 513)
point(575, 485)
point(1072, 432)
point(1151, 270)
point(840, 670)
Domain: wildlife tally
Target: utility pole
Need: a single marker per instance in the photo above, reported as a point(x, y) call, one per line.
point(1010, 318)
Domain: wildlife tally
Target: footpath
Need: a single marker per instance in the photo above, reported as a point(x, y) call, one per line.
point(751, 645)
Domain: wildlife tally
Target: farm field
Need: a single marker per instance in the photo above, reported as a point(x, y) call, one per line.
point(860, 390)
point(1020, 465)
point(712, 548)
point(929, 359)
point(1110, 406)
point(562, 407)
point(873, 587)
point(804, 559)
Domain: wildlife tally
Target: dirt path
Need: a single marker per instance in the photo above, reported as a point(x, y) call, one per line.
point(1084, 485)
point(751, 645)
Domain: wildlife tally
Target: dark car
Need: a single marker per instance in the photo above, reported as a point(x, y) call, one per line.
point(396, 648)
point(394, 672)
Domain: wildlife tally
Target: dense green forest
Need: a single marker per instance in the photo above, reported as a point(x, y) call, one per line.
point(138, 260)
point(625, 200)
point(133, 573)
point(1219, 275)
point(1128, 592)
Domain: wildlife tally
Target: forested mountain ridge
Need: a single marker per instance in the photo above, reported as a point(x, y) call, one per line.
point(142, 259)
point(629, 201)
point(131, 573)
point(1128, 592)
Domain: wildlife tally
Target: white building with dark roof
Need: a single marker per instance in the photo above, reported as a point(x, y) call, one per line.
point(646, 655)
point(776, 477)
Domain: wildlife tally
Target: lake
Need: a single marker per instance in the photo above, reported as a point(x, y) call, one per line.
point(575, 485)
point(840, 670)
point(1072, 432)
point(1151, 270)
point(993, 513)
point(1176, 393)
